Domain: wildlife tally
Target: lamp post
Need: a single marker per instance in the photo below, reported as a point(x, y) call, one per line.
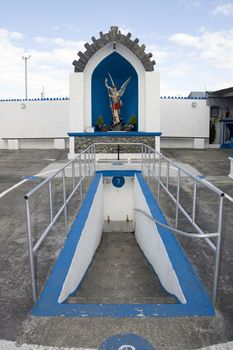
point(26, 58)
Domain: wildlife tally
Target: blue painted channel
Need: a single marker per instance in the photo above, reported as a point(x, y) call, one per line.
point(198, 303)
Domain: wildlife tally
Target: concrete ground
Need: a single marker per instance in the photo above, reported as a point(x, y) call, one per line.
point(18, 326)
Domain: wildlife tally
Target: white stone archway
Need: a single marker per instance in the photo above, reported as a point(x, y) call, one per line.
point(148, 83)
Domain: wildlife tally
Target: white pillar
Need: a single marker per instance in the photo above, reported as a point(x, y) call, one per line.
point(59, 143)
point(157, 143)
point(71, 153)
point(199, 143)
point(231, 167)
point(13, 144)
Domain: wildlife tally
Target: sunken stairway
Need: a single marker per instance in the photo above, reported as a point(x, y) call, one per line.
point(120, 273)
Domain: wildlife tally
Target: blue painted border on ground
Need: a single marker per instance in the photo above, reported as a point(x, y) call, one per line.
point(53, 287)
point(30, 177)
point(198, 303)
point(133, 341)
point(227, 145)
point(193, 290)
point(114, 133)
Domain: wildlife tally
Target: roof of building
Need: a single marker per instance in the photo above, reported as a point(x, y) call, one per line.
point(228, 92)
point(197, 94)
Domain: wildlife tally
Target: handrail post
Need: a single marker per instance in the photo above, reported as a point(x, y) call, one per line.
point(94, 157)
point(148, 168)
point(154, 164)
point(142, 158)
point(31, 255)
point(64, 200)
point(159, 178)
point(194, 200)
point(167, 174)
point(81, 180)
point(217, 256)
point(50, 201)
point(89, 166)
point(73, 174)
point(177, 198)
point(85, 164)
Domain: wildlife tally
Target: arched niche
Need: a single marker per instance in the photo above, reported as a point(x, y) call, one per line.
point(120, 70)
point(90, 67)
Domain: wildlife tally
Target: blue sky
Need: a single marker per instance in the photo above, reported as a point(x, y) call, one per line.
point(191, 41)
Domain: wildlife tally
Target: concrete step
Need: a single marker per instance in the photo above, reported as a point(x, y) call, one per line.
point(120, 274)
point(121, 300)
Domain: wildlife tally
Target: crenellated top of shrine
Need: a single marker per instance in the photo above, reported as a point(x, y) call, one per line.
point(114, 36)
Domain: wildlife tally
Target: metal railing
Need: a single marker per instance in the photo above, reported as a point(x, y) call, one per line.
point(152, 161)
point(79, 168)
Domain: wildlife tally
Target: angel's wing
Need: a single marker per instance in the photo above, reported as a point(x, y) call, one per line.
point(122, 89)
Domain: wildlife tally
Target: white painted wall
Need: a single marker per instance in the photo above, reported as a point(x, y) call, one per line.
point(87, 245)
point(180, 123)
point(179, 119)
point(118, 202)
point(152, 91)
point(39, 119)
point(76, 112)
point(150, 242)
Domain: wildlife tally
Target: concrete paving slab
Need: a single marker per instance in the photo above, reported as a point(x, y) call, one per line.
point(17, 325)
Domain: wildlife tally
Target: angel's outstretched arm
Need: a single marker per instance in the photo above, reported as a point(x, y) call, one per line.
point(106, 84)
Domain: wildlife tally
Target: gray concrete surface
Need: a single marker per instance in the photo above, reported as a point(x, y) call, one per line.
point(17, 325)
point(120, 274)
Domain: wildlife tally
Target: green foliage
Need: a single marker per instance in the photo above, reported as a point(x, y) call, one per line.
point(100, 121)
point(133, 120)
point(212, 132)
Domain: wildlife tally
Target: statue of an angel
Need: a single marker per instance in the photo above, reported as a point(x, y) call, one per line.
point(115, 98)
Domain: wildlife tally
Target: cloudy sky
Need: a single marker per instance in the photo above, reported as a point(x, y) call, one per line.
point(191, 41)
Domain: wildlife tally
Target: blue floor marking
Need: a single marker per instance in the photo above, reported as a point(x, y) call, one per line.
point(126, 342)
point(198, 303)
point(30, 177)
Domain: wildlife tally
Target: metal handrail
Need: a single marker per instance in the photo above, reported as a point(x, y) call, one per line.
point(149, 158)
point(182, 233)
point(178, 167)
point(147, 150)
point(89, 168)
point(48, 179)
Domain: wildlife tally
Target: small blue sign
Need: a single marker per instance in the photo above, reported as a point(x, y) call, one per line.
point(118, 181)
point(126, 342)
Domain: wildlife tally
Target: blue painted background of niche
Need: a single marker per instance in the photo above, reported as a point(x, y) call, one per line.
point(120, 70)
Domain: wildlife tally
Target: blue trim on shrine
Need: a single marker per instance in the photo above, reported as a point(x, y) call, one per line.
point(114, 133)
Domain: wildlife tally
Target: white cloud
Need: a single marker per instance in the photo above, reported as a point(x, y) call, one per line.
point(125, 30)
point(160, 54)
point(214, 48)
point(66, 26)
point(49, 67)
point(59, 42)
point(7, 35)
point(224, 9)
point(185, 40)
point(190, 3)
point(186, 62)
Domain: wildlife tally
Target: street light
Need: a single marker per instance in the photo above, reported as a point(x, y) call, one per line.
point(26, 58)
